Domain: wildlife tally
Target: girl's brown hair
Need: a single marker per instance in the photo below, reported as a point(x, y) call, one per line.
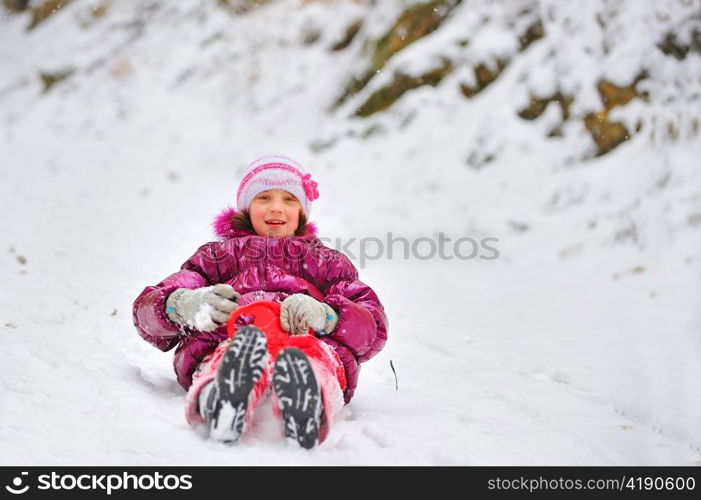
point(242, 220)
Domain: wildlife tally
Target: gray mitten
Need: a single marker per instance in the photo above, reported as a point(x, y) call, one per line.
point(204, 309)
point(299, 312)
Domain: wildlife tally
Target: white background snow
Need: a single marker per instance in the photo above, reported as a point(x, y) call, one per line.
point(580, 344)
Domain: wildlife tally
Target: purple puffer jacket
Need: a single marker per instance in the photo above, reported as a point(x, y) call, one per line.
point(262, 268)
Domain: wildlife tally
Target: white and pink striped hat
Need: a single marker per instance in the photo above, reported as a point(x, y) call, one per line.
point(276, 172)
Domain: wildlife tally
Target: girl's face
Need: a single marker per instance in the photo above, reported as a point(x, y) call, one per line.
point(275, 213)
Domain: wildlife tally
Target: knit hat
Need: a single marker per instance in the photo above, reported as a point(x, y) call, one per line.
point(276, 172)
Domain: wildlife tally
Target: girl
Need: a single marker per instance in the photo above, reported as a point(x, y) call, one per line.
point(301, 320)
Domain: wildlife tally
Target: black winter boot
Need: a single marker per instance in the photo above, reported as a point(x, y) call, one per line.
point(240, 368)
point(298, 395)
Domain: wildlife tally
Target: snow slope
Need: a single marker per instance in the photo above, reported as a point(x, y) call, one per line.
point(579, 344)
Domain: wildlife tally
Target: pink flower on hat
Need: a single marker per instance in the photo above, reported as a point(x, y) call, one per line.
point(310, 187)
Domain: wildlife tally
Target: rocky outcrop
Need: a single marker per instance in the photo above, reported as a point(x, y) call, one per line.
point(608, 134)
point(413, 24)
point(42, 12)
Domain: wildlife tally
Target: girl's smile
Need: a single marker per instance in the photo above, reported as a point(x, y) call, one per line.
point(275, 213)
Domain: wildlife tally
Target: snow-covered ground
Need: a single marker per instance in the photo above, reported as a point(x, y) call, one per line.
point(579, 344)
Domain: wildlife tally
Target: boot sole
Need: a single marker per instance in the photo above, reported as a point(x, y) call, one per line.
point(298, 395)
point(241, 367)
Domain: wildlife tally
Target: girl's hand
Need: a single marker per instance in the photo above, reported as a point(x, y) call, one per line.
point(204, 309)
point(299, 312)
